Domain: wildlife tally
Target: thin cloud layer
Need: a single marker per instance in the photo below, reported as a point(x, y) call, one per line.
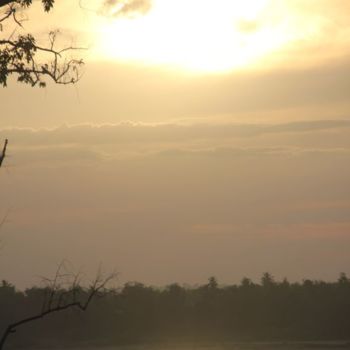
point(88, 143)
point(138, 133)
point(125, 8)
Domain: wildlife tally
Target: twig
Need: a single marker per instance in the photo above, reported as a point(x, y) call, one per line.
point(3, 153)
point(57, 299)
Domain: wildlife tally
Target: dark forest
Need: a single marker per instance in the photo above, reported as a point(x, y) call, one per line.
point(135, 313)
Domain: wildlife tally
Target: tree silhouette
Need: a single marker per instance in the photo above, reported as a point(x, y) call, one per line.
point(61, 293)
point(3, 152)
point(23, 57)
point(138, 313)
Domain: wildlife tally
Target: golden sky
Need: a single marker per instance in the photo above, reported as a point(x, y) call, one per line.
point(205, 138)
point(207, 36)
point(204, 36)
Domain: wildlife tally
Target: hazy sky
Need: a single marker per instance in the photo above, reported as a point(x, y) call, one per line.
point(205, 138)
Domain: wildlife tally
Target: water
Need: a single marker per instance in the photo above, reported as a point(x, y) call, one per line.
point(229, 346)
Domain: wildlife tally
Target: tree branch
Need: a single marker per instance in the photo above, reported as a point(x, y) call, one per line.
point(62, 299)
point(30, 62)
point(20, 57)
point(48, 4)
point(6, 2)
point(3, 153)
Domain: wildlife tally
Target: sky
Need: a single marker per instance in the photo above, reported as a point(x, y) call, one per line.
point(204, 138)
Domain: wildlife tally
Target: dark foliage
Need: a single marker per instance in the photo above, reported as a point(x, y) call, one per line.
point(311, 310)
point(30, 62)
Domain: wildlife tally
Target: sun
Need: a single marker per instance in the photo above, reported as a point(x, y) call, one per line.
point(193, 35)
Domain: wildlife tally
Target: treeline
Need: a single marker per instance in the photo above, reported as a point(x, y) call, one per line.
point(136, 313)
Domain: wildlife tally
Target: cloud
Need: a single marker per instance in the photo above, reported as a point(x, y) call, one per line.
point(232, 152)
point(125, 8)
point(89, 143)
point(58, 155)
point(138, 133)
point(247, 27)
point(293, 231)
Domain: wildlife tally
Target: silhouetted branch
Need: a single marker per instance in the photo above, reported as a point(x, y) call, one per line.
point(6, 2)
point(20, 57)
point(3, 153)
point(48, 4)
point(7, 15)
point(31, 62)
point(58, 299)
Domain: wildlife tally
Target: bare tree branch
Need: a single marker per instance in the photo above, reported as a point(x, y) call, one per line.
point(7, 14)
point(58, 299)
point(47, 4)
point(20, 57)
point(3, 153)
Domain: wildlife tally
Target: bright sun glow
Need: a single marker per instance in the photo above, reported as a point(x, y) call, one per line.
point(196, 35)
